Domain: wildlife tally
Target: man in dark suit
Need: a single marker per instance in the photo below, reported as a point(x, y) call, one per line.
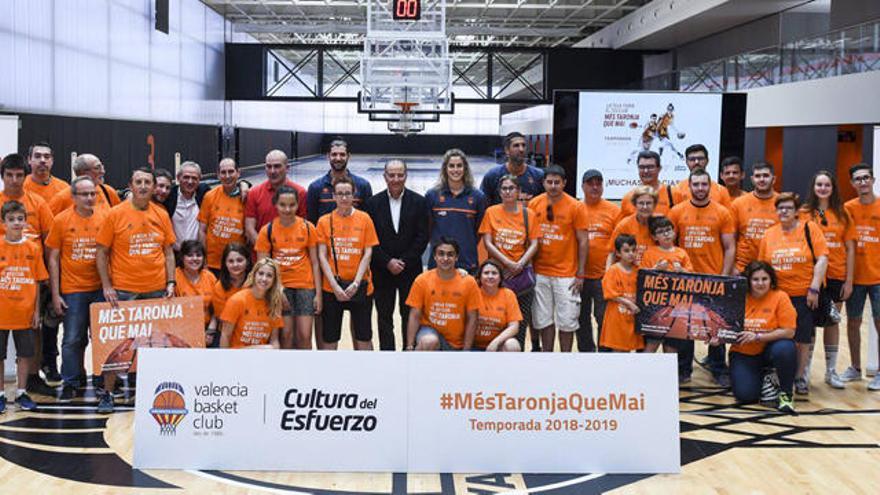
point(400, 216)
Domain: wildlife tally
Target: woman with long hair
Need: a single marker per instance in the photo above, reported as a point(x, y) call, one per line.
point(235, 266)
point(252, 316)
point(499, 320)
point(824, 207)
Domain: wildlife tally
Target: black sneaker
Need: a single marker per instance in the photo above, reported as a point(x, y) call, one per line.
point(36, 385)
point(52, 376)
point(105, 405)
point(68, 393)
point(2, 403)
point(25, 403)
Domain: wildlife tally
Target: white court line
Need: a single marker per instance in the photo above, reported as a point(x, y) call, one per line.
point(79, 408)
point(554, 486)
point(243, 485)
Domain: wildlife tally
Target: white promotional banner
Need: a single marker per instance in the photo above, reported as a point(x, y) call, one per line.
point(613, 127)
point(461, 412)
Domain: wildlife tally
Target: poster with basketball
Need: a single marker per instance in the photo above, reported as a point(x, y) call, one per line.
point(690, 305)
point(117, 333)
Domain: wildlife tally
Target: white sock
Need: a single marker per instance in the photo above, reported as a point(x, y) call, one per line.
point(830, 358)
point(19, 392)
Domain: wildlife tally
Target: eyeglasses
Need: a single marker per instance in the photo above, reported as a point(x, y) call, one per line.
point(862, 178)
point(665, 231)
point(507, 189)
point(343, 194)
point(550, 212)
point(697, 158)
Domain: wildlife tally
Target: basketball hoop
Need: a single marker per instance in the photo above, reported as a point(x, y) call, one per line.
point(406, 126)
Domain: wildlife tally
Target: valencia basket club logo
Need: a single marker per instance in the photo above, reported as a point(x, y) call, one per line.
point(169, 407)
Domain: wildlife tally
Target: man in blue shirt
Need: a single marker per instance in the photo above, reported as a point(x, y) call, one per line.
point(320, 195)
point(531, 179)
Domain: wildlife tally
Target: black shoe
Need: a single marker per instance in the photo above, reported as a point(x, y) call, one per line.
point(105, 405)
point(68, 393)
point(536, 346)
point(52, 376)
point(36, 385)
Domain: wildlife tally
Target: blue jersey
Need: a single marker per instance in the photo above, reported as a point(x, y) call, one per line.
point(320, 196)
point(531, 182)
point(458, 217)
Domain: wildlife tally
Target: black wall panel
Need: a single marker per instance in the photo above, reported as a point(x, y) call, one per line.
point(121, 145)
point(592, 68)
point(424, 144)
point(807, 150)
point(253, 144)
point(755, 147)
point(868, 144)
point(308, 143)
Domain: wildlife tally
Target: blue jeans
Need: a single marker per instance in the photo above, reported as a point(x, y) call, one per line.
point(746, 372)
point(591, 298)
point(76, 334)
point(124, 295)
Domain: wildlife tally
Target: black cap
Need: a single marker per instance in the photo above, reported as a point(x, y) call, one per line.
point(591, 174)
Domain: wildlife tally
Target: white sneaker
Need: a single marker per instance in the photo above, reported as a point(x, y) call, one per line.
point(833, 380)
point(851, 375)
point(875, 383)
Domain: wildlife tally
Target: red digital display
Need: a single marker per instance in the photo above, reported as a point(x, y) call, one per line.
point(406, 10)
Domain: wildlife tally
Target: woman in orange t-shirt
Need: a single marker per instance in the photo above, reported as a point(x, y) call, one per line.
point(825, 208)
point(513, 246)
point(499, 316)
point(291, 241)
point(644, 198)
point(619, 289)
point(235, 266)
point(800, 261)
point(252, 316)
point(193, 279)
point(769, 324)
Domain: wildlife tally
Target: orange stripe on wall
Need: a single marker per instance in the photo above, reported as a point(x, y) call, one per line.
point(773, 153)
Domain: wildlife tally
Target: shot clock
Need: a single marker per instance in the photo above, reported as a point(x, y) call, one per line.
point(406, 10)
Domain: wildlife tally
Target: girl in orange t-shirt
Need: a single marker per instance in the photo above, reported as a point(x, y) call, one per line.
point(825, 208)
point(235, 266)
point(499, 315)
point(769, 324)
point(292, 244)
point(193, 279)
point(252, 317)
point(619, 289)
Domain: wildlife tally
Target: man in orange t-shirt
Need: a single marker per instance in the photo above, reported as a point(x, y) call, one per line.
point(601, 217)
point(707, 232)
point(40, 181)
point(697, 156)
point(753, 214)
point(135, 246)
point(221, 215)
point(444, 303)
point(560, 265)
point(649, 174)
point(73, 277)
point(865, 213)
point(732, 175)
point(87, 165)
point(345, 246)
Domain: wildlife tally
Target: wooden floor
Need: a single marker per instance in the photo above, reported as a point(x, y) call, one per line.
point(832, 446)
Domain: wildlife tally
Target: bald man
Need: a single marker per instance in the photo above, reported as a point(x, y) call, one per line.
point(259, 209)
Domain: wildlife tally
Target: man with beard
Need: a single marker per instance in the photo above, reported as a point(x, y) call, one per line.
point(697, 156)
point(320, 195)
point(41, 181)
point(753, 214)
point(221, 215)
point(649, 173)
point(732, 176)
point(531, 179)
point(707, 232)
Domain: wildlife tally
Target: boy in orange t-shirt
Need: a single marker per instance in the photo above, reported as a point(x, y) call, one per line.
point(619, 287)
point(21, 270)
point(443, 304)
point(665, 255)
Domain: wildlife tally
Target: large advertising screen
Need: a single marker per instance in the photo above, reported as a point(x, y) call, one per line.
point(613, 127)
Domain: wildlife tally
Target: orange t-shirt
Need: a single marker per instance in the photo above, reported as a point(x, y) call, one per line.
point(766, 314)
point(219, 296)
point(445, 303)
point(699, 233)
point(39, 216)
point(204, 288)
point(45, 191)
point(75, 237)
point(223, 217)
point(558, 252)
point(656, 254)
point(290, 248)
point(618, 327)
point(663, 206)
point(63, 199)
point(717, 192)
point(352, 235)
point(21, 268)
point(136, 240)
point(866, 221)
point(752, 216)
point(496, 312)
point(249, 316)
point(790, 256)
point(837, 234)
point(509, 231)
point(601, 219)
point(631, 226)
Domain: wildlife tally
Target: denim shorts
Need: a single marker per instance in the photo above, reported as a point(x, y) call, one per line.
point(855, 305)
point(301, 302)
point(444, 344)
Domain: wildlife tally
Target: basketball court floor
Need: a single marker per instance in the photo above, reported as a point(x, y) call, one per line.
point(832, 446)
